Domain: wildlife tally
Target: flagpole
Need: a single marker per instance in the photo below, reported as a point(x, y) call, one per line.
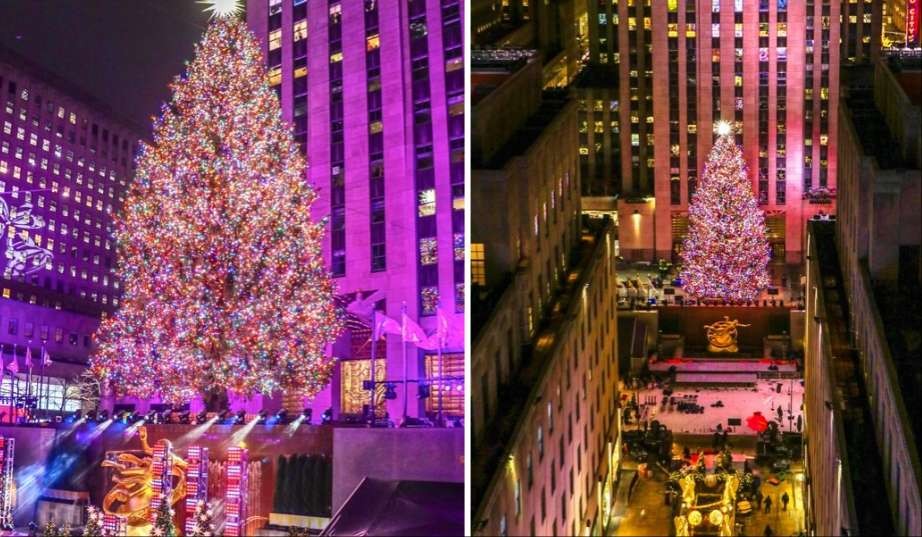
point(16, 385)
point(3, 378)
point(41, 384)
point(374, 378)
point(406, 385)
point(441, 382)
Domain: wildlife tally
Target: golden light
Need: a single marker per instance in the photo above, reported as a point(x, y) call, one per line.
point(723, 128)
point(220, 9)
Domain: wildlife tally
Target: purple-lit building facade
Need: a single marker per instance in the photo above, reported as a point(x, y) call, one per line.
point(374, 91)
point(65, 162)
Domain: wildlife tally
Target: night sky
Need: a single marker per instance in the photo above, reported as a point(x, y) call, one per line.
point(123, 52)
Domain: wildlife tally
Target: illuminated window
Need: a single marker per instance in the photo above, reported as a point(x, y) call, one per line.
point(426, 203)
point(372, 42)
point(429, 297)
point(478, 264)
point(275, 39)
point(336, 57)
point(299, 31)
point(275, 76)
point(428, 251)
point(300, 71)
point(458, 246)
point(452, 391)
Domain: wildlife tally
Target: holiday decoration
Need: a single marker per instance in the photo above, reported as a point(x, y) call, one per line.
point(94, 523)
point(7, 482)
point(23, 255)
point(196, 484)
point(726, 253)
point(202, 522)
point(225, 285)
point(163, 523)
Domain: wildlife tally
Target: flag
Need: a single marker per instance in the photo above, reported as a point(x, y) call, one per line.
point(46, 358)
point(441, 328)
point(363, 308)
point(14, 365)
point(29, 357)
point(384, 325)
point(412, 332)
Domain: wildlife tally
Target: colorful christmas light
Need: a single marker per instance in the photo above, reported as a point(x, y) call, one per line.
point(726, 253)
point(225, 286)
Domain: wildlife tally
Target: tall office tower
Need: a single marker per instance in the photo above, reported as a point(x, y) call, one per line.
point(65, 162)
point(374, 90)
point(557, 30)
point(862, 29)
point(661, 74)
point(545, 430)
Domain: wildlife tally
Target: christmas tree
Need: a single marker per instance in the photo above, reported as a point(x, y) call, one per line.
point(725, 254)
point(204, 520)
point(225, 285)
point(163, 524)
point(93, 526)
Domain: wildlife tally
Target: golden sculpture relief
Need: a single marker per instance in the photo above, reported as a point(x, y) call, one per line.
point(722, 335)
point(131, 494)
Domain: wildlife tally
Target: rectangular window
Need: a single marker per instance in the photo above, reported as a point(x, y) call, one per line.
point(478, 264)
point(299, 30)
point(446, 388)
point(427, 202)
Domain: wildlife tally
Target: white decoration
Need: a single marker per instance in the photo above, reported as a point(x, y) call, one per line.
point(25, 257)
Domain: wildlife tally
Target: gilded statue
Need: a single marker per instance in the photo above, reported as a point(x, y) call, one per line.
point(722, 335)
point(131, 495)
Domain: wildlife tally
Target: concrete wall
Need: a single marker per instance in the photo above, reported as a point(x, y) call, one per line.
point(419, 454)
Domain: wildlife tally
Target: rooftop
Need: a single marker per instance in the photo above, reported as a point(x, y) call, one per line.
point(66, 87)
point(552, 104)
point(864, 463)
point(491, 67)
point(535, 362)
point(872, 130)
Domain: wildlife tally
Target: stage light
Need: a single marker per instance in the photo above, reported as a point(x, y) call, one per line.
point(225, 416)
point(241, 417)
point(308, 414)
point(282, 416)
point(123, 416)
point(104, 415)
point(262, 416)
point(91, 415)
point(151, 417)
point(185, 417)
point(326, 417)
point(202, 417)
point(166, 415)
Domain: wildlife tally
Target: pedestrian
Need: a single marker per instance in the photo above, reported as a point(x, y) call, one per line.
point(784, 501)
point(768, 531)
point(768, 504)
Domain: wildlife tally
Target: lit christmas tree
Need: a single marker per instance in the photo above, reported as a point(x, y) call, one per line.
point(225, 285)
point(725, 254)
point(204, 520)
point(94, 520)
point(163, 524)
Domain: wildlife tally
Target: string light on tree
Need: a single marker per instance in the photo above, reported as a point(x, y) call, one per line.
point(225, 283)
point(726, 253)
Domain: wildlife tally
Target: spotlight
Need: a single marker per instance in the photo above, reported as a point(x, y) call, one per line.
point(104, 415)
point(307, 415)
point(225, 416)
point(185, 417)
point(91, 415)
point(282, 416)
point(151, 417)
point(166, 415)
point(262, 416)
point(326, 417)
point(241, 417)
point(202, 417)
point(76, 416)
point(123, 416)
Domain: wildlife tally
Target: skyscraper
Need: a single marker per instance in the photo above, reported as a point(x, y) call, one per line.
point(375, 93)
point(661, 74)
point(65, 162)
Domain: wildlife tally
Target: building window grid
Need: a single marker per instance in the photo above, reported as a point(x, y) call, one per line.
point(337, 154)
